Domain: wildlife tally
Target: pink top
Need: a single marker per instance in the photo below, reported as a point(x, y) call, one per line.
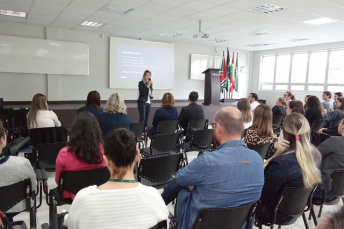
point(66, 161)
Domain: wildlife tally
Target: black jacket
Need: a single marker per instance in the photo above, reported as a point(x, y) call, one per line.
point(144, 91)
point(191, 112)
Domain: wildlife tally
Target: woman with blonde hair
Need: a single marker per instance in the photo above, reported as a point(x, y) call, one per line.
point(295, 164)
point(245, 108)
point(115, 115)
point(260, 132)
point(39, 116)
point(167, 111)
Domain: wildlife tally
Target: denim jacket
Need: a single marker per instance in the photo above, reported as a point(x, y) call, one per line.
point(230, 176)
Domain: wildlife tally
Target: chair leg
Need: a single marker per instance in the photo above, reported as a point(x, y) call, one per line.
point(314, 217)
point(320, 210)
point(279, 226)
point(310, 212)
point(272, 226)
point(305, 220)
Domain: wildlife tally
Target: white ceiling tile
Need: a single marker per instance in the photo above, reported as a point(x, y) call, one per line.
point(198, 6)
point(218, 2)
point(14, 7)
point(142, 13)
point(12, 19)
point(244, 14)
point(293, 15)
point(38, 22)
point(222, 11)
point(41, 17)
point(84, 28)
point(68, 21)
point(44, 12)
point(166, 17)
point(87, 4)
point(18, 2)
point(204, 16)
point(331, 13)
point(286, 3)
point(243, 5)
point(61, 2)
point(72, 16)
point(48, 6)
point(173, 3)
point(129, 3)
point(156, 7)
point(223, 20)
point(79, 10)
point(180, 12)
point(62, 26)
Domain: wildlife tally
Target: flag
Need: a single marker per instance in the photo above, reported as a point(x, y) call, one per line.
point(232, 75)
point(228, 65)
point(223, 74)
point(236, 74)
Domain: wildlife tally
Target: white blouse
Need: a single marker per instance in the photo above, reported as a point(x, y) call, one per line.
point(45, 118)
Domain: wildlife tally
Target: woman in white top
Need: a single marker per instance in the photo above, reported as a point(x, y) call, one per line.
point(245, 108)
point(39, 116)
point(121, 202)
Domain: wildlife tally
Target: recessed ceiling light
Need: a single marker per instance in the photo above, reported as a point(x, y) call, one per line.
point(12, 13)
point(298, 39)
point(267, 9)
point(169, 34)
point(216, 40)
point(320, 21)
point(257, 45)
point(117, 9)
point(92, 24)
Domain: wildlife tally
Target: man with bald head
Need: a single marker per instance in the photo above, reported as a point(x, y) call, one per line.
point(230, 176)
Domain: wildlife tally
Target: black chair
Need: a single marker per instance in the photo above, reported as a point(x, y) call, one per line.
point(317, 125)
point(200, 140)
point(320, 137)
point(262, 150)
point(73, 182)
point(48, 135)
point(167, 127)
point(335, 123)
point(162, 144)
point(292, 202)
point(197, 124)
point(277, 119)
point(12, 194)
point(243, 133)
point(337, 189)
point(138, 129)
point(159, 171)
point(221, 218)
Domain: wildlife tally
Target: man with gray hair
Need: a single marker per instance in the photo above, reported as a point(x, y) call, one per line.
point(230, 176)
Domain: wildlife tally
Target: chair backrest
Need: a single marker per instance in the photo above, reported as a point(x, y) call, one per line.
point(167, 127)
point(277, 119)
point(12, 194)
point(164, 142)
point(337, 184)
point(202, 138)
point(138, 128)
point(243, 133)
point(47, 153)
point(233, 218)
point(317, 125)
point(159, 168)
point(48, 135)
point(262, 150)
point(198, 124)
point(335, 123)
point(160, 225)
point(74, 181)
point(294, 200)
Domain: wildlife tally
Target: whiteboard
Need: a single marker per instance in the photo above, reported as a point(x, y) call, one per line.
point(200, 63)
point(27, 55)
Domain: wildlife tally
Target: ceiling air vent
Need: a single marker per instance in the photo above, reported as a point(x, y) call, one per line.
point(257, 45)
point(117, 9)
point(267, 9)
point(298, 39)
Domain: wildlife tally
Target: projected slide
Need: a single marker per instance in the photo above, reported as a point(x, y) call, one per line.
point(130, 58)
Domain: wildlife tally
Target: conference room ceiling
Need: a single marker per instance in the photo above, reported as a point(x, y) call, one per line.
point(229, 20)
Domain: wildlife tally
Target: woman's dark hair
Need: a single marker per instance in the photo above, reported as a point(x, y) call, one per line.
point(339, 94)
point(314, 102)
point(93, 98)
point(120, 148)
point(296, 106)
point(341, 99)
point(85, 138)
point(292, 97)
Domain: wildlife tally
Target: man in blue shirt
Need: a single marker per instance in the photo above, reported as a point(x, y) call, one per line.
point(327, 104)
point(230, 176)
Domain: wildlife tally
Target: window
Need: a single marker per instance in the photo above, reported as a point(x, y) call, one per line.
point(313, 71)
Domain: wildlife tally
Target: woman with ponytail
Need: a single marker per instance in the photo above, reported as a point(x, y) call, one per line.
point(295, 164)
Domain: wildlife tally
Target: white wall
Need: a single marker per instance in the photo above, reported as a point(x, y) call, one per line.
point(21, 87)
point(271, 96)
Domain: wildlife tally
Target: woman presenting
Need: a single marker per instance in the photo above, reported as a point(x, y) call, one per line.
point(145, 96)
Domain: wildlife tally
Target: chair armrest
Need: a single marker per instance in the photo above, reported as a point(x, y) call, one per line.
point(41, 175)
point(45, 226)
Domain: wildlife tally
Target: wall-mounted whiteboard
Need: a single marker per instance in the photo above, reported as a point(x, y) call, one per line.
point(27, 55)
point(200, 63)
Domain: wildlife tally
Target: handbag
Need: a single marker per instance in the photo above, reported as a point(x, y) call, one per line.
point(6, 224)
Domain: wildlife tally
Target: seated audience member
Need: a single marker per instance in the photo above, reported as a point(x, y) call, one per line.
point(295, 164)
point(39, 116)
point(336, 95)
point(244, 107)
point(295, 106)
point(253, 98)
point(167, 111)
point(84, 150)
point(288, 96)
point(279, 108)
point(92, 104)
point(314, 110)
point(332, 159)
point(305, 100)
point(121, 202)
point(336, 114)
point(334, 221)
point(191, 112)
point(327, 103)
point(14, 169)
point(115, 115)
point(260, 132)
point(230, 176)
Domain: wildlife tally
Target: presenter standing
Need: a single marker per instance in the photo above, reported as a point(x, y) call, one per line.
point(145, 97)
